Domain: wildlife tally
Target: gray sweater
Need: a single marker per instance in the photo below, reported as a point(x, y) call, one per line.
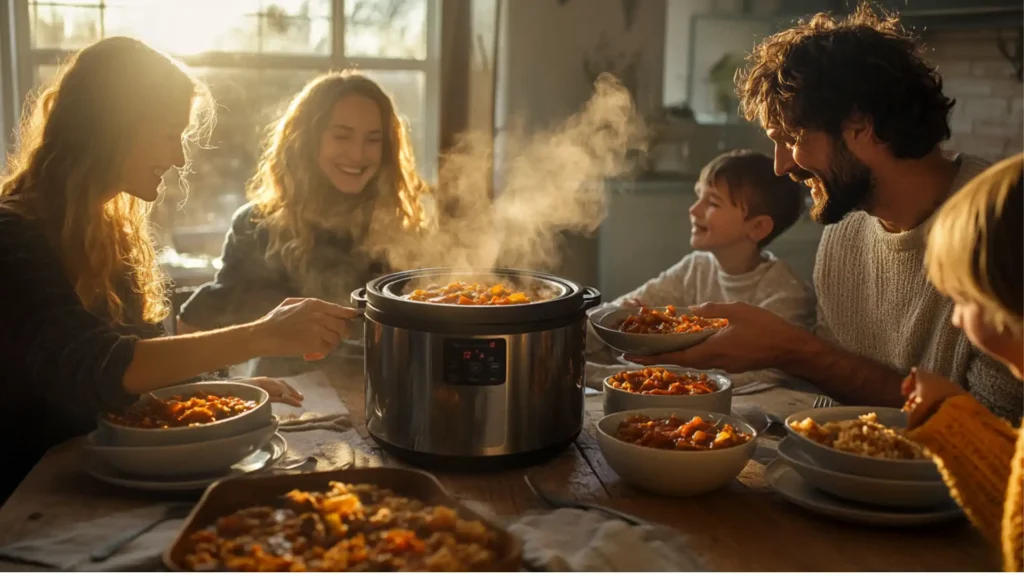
point(249, 284)
point(874, 299)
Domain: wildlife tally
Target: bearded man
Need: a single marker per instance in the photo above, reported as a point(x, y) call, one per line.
point(857, 114)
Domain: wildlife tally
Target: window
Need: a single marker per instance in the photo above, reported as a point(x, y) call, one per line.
point(255, 55)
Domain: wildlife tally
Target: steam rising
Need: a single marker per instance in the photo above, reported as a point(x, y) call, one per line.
point(553, 185)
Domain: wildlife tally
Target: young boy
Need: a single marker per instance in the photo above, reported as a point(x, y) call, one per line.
point(741, 207)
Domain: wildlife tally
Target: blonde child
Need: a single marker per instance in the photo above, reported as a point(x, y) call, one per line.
point(974, 256)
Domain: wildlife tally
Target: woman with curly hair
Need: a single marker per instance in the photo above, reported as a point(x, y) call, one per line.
point(857, 113)
point(82, 294)
point(335, 187)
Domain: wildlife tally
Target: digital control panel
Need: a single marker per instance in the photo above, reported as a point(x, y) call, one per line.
point(475, 362)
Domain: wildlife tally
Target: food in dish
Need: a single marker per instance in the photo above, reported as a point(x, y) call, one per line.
point(654, 321)
point(674, 434)
point(662, 382)
point(864, 436)
point(470, 294)
point(179, 411)
point(348, 528)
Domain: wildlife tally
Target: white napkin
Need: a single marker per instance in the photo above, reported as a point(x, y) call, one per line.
point(68, 547)
point(569, 540)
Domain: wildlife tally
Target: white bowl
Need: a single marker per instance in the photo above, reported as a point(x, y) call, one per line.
point(720, 401)
point(184, 460)
point(605, 323)
point(674, 472)
point(255, 419)
point(876, 491)
point(855, 464)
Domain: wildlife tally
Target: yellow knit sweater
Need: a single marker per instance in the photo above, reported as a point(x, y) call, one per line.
point(982, 461)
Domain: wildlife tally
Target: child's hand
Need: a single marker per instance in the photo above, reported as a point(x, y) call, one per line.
point(925, 392)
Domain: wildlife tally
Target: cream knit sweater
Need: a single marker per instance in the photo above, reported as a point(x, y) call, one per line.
point(874, 299)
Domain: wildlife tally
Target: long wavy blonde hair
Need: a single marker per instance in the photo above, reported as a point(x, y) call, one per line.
point(292, 195)
point(73, 142)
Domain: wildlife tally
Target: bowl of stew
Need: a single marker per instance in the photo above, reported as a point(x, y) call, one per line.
point(665, 386)
point(187, 413)
point(652, 330)
point(675, 452)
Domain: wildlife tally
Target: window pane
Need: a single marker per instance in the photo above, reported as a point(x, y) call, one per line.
point(296, 35)
point(67, 27)
point(386, 28)
point(186, 27)
point(44, 74)
point(248, 100)
point(225, 25)
point(407, 89)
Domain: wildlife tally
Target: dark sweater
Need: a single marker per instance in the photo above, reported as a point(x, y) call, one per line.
point(249, 284)
point(61, 364)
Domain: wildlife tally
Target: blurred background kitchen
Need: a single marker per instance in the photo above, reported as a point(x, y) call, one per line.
point(484, 65)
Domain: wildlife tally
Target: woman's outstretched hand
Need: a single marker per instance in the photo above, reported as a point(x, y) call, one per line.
point(305, 327)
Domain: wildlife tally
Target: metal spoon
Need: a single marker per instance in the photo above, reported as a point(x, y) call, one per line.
point(310, 463)
point(559, 502)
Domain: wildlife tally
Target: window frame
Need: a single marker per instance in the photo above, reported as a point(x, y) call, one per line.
point(19, 61)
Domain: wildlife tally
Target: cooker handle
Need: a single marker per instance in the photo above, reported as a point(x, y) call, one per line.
point(359, 298)
point(591, 297)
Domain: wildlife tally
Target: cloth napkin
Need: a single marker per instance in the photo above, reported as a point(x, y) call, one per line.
point(331, 438)
point(570, 540)
point(67, 548)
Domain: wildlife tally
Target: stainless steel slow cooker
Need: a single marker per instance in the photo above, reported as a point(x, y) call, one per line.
point(455, 386)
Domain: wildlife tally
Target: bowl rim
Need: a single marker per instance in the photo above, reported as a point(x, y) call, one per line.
point(846, 476)
point(669, 412)
point(873, 459)
point(273, 425)
point(263, 394)
point(598, 317)
point(723, 382)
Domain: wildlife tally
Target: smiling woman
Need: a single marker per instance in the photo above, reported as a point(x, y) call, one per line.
point(337, 184)
point(82, 294)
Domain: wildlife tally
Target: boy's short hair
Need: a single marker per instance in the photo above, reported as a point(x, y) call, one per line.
point(754, 187)
point(976, 245)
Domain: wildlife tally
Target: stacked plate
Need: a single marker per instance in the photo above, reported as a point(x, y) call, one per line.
point(187, 457)
point(854, 487)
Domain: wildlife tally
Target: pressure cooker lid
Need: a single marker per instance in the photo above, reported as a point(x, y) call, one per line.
point(551, 297)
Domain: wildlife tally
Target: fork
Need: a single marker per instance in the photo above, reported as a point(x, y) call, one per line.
point(823, 402)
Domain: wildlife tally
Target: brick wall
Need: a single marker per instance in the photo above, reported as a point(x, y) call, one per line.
point(988, 118)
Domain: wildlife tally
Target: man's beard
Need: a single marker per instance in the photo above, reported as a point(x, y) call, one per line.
point(848, 186)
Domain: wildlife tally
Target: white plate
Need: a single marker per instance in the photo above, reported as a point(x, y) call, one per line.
point(265, 457)
point(194, 459)
point(795, 489)
point(872, 491)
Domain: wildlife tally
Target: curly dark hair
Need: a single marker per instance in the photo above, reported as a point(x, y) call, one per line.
point(819, 73)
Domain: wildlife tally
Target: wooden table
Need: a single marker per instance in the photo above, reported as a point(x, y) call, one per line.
point(744, 527)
